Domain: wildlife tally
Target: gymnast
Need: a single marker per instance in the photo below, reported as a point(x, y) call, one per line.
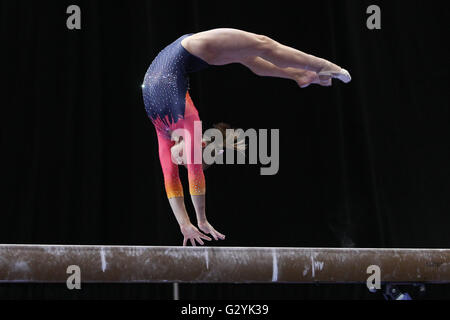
point(170, 107)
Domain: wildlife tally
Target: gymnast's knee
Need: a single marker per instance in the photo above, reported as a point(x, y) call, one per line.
point(264, 44)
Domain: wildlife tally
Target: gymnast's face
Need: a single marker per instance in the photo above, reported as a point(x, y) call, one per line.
point(179, 154)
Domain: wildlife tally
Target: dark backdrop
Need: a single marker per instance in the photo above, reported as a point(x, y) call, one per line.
point(363, 165)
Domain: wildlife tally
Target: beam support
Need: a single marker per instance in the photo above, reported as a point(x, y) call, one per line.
point(115, 264)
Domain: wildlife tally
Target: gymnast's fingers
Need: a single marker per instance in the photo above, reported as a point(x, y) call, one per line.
point(200, 241)
point(184, 242)
point(193, 242)
point(205, 237)
point(214, 235)
point(217, 235)
point(221, 236)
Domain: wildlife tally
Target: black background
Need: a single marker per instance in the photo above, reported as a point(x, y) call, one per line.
point(362, 165)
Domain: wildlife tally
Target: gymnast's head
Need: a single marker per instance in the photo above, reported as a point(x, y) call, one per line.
point(214, 143)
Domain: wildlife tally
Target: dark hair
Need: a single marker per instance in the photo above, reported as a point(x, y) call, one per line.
point(230, 141)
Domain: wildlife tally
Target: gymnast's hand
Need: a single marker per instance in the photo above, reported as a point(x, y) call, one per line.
point(207, 228)
point(192, 234)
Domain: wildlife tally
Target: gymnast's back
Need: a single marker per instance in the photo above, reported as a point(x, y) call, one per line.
point(166, 81)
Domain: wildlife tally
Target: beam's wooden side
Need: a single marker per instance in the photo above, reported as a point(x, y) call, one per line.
point(21, 263)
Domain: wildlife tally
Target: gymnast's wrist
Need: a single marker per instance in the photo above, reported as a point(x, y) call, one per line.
point(202, 222)
point(185, 223)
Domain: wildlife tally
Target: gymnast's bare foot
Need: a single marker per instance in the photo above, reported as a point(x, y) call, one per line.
point(331, 70)
point(305, 78)
point(207, 228)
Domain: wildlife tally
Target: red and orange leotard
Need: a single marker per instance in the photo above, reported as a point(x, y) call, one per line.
point(169, 106)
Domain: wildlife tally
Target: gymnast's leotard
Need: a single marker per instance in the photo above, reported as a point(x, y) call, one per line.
point(169, 106)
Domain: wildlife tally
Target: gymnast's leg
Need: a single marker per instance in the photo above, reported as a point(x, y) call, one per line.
point(264, 68)
point(225, 46)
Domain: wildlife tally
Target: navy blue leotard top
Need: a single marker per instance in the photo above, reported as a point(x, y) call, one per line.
point(166, 82)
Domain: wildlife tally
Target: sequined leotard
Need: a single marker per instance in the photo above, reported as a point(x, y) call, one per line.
point(169, 106)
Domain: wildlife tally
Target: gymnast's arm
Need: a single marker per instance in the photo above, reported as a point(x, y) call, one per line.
point(174, 191)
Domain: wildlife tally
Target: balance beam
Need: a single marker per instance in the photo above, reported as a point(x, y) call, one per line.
point(119, 264)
